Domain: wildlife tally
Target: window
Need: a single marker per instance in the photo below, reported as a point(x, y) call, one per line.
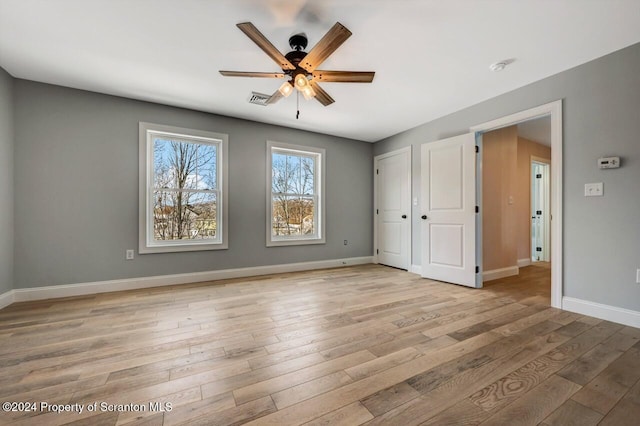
point(183, 189)
point(295, 203)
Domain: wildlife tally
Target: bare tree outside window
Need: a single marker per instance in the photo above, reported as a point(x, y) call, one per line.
point(293, 192)
point(185, 190)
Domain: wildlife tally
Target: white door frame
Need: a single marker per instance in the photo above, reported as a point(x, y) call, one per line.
point(405, 150)
point(554, 110)
point(546, 233)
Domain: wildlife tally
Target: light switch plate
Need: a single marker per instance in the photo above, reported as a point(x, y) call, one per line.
point(593, 189)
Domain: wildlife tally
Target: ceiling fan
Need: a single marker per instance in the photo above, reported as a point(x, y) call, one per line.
point(299, 68)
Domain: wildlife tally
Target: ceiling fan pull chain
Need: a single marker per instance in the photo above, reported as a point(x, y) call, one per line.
point(298, 105)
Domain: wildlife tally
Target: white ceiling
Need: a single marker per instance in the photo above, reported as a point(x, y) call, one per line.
point(431, 57)
point(537, 130)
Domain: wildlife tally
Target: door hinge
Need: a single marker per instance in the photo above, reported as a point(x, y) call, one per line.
point(477, 209)
point(377, 171)
point(377, 211)
point(477, 149)
point(477, 269)
point(377, 251)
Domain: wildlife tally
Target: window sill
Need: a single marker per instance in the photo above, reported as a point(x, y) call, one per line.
point(177, 248)
point(300, 242)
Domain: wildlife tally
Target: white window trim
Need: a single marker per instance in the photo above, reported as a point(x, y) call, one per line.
point(146, 244)
point(319, 178)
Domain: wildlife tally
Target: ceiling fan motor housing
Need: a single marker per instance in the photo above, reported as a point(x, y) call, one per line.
point(298, 41)
point(295, 57)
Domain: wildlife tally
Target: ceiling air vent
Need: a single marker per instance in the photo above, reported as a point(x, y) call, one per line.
point(259, 98)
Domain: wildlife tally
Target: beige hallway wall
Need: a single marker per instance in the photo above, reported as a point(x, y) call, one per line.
point(499, 163)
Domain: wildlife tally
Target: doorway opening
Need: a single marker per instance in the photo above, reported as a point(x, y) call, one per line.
point(515, 201)
point(553, 113)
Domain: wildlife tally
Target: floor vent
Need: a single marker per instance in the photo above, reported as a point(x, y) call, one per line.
point(259, 98)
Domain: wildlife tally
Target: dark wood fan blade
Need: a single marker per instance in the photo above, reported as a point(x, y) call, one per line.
point(344, 76)
point(275, 97)
point(323, 97)
point(252, 74)
point(325, 47)
point(258, 38)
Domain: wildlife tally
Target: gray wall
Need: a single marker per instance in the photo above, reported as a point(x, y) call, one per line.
point(76, 190)
point(601, 118)
point(6, 181)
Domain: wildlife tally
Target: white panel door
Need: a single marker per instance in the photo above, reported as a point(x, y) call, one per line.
point(448, 182)
point(393, 220)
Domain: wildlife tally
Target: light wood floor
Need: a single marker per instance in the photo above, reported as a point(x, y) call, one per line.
point(357, 345)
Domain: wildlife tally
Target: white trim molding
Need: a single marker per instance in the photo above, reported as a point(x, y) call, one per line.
point(416, 269)
point(147, 242)
point(605, 312)
point(81, 289)
point(494, 274)
point(554, 110)
point(524, 262)
point(7, 298)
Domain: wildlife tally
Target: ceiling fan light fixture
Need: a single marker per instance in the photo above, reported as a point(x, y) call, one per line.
point(308, 92)
point(301, 81)
point(286, 89)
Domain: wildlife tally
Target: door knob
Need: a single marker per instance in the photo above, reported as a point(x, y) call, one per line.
point(424, 217)
point(404, 216)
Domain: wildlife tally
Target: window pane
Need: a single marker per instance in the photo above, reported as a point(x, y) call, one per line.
point(292, 216)
point(308, 169)
point(279, 173)
point(163, 172)
point(293, 174)
point(207, 166)
point(184, 165)
point(183, 215)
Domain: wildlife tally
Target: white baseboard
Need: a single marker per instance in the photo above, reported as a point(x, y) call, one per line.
point(494, 274)
point(605, 312)
point(415, 269)
point(7, 298)
point(524, 262)
point(80, 289)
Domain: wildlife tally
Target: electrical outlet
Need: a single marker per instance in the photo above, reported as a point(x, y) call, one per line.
point(346, 242)
point(129, 254)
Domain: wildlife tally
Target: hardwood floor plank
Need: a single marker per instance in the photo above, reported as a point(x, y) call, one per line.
point(351, 415)
point(627, 411)
point(303, 391)
point(447, 402)
point(382, 363)
point(589, 365)
point(535, 405)
point(362, 344)
point(572, 414)
point(199, 408)
point(389, 398)
point(276, 384)
point(516, 384)
point(605, 390)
